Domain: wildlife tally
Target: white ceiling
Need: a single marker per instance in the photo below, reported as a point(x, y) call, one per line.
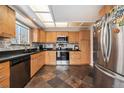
point(75, 13)
point(62, 13)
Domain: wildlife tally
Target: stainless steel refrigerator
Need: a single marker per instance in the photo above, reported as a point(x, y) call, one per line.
point(109, 68)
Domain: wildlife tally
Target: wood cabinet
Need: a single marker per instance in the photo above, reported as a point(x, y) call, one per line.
point(50, 58)
point(7, 22)
point(36, 35)
point(37, 61)
point(84, 44)
point(42, 36)
point(62, 33)
point(73, 37)
point(75, 58)
point(85, 51)
point(5, 74)
point(84, 35)
point(39, 35)
point(105, 9)
point(51, 37)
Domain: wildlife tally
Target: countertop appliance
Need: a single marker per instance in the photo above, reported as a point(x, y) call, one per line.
point(20, 72)
point(62, 57)
point(109, 69)
point(62, 39)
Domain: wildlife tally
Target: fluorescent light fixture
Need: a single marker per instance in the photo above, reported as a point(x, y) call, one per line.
point(45, 17)
point(49, 24)
point(42, 8)
point(61, 24)
point(74, 24)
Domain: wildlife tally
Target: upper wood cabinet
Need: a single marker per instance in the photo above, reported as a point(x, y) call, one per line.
point(73, 37)
point(42, 36)
point(39, 35)
point(36, 35)
point(105, 9)
point(51, 37)
point(84, 35)
point(5, 74)
point(62, 33)
point(7, 22)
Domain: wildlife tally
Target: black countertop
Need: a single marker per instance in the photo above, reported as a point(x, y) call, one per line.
point(8, 55)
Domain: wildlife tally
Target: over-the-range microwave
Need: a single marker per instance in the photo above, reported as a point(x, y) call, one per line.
point(62, 39)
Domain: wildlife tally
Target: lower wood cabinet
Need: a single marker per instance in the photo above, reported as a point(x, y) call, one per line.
point(37, 61)
point(50, 58)
point(75, 58)
point(5, 74)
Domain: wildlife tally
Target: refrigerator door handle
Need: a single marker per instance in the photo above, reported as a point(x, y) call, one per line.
point(102, 37)
point(110, 73)
point(109, 42)
point(105, 40)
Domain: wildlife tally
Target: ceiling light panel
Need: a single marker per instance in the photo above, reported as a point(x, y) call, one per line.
point(61, 24)
point(49, 24)
point(41, 8)
point(73, 24)
point(45, 17)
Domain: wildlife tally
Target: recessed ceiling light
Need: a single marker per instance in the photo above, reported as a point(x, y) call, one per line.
point(42, 8)
point(45, 17)
point(49, 24)
point(61, 24)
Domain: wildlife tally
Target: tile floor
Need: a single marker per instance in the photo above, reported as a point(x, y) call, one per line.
point(62, 77)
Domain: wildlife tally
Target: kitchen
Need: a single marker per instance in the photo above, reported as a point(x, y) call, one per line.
point(58, 46)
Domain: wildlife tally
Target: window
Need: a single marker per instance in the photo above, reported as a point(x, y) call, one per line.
point(22, 34)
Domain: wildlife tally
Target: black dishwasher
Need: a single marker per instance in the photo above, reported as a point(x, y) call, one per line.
point(19, 72)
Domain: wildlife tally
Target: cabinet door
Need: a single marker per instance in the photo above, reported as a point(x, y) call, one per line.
point(50, 58)
point(12, 22)
point(76, 37)
point(51, 37)
point(42, 36)
point(33, 65)
point(105, 9)
point(62, 34)
point(7, 22)
point(3, 20)
point(36, 35)
point(5, 74)
point(72, 37)
point(85, 35)
point(85, 51)
point(75, 58)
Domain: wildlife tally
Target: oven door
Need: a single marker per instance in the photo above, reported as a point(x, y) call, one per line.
point(62, 57)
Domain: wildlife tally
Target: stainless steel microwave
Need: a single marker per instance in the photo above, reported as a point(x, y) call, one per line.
point(62, 39)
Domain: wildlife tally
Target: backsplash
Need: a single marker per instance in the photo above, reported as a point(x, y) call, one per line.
point(5, 44)
point(56, 45)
